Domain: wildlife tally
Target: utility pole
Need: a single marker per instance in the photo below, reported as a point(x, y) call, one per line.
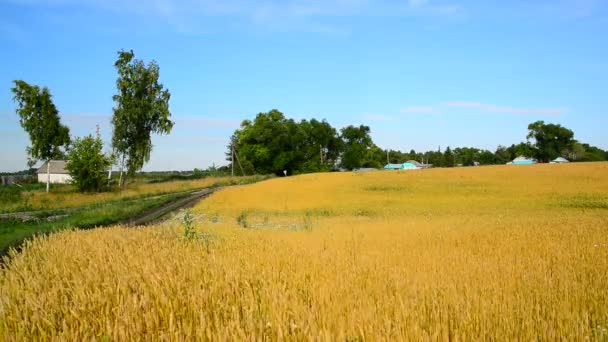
point(232, 158)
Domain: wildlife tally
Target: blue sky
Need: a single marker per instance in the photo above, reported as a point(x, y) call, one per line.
point(420, 73)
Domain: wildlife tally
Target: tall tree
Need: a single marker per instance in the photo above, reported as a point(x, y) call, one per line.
point(40, 119)
point(356, 141)
point(550, 139)
point(142, 108)
point(321, 146)
point(448, 157)
point(269, 144)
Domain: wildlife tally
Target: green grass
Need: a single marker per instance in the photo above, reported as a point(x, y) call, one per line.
point(14, 231)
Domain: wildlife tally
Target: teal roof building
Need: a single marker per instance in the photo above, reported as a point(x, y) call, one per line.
point(408, 165)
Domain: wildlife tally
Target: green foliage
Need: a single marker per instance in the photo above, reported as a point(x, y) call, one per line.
point(189, 232)
point(86, 163)
point(522, 149)
point(40, 119)
point(242, 219)
point(592, 153)
point(357, 141)
point(142, 108)
point(375, 157)
point(272, 143)
point(448, 158)
point(550, 139)
point(15, 231)
point(9, 194)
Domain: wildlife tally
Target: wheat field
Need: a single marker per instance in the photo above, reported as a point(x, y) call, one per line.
point(486, 253)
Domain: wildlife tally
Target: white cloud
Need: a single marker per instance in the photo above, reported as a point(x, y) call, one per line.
point(380, 117)
point(420, 110)
point(195, 16)
point(506, 109)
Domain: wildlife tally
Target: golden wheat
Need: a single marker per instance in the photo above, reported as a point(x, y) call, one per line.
point(467, 254)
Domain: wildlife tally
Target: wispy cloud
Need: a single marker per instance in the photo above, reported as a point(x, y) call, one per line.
point(307, 15)
point(506, 109)
point(380, 117)
point(420, 110)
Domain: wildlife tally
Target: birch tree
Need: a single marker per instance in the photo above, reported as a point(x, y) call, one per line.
point(40, 119)
point(141, 108)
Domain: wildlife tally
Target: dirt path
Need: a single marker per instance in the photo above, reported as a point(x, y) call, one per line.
point(157, 214)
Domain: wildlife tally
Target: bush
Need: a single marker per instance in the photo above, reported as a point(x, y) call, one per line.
point(9, 194)
point(86, 163)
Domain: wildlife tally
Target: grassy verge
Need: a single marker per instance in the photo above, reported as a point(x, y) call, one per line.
point(112, 210)
point(14, 231)
point(32, 197)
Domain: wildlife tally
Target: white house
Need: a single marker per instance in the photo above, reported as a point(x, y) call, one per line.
point(57, 170)
point(559, 160)
point(522, 160)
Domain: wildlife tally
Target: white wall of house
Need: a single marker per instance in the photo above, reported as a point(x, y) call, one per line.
point(59, 178)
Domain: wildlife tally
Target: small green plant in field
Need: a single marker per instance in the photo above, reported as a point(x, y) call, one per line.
point(188, 220)
point(242, 219)
point(308, 222)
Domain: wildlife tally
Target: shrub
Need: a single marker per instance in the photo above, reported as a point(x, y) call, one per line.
point(86, 163)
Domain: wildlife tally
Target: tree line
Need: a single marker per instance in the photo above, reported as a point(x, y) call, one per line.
point(141, 108)
point(272, 143)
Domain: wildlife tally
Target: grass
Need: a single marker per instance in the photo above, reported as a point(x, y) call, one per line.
point(488, 253)
point(13, 199)
point(13, 231)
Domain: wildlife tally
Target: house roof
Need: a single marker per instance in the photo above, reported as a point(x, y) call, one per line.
point(57, 167)
point(414, 162)
point(523, 158)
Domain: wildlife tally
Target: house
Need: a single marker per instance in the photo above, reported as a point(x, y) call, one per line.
point(408, 165)
point(521, 160)
point(559, 160)
point(58, 173)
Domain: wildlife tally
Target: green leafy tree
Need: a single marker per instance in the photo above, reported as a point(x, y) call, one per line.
point(593, 153)
point(263, 144)
point(521, 149)
point(86, 163)
point(375, 157)
point(142, 108)
point(321, 146)
point(550, 139)
point(448, 158)
point(487, 157)
point(271, 143)
point(356, 142)
point(40, 119)
point(502, 155)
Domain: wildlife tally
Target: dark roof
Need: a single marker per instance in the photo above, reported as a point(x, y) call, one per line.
point(57, 167)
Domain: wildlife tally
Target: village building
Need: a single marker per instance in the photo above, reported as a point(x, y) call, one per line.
point(408, 165)
point(559, 160)
point(58, 172)
point(521, 160)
